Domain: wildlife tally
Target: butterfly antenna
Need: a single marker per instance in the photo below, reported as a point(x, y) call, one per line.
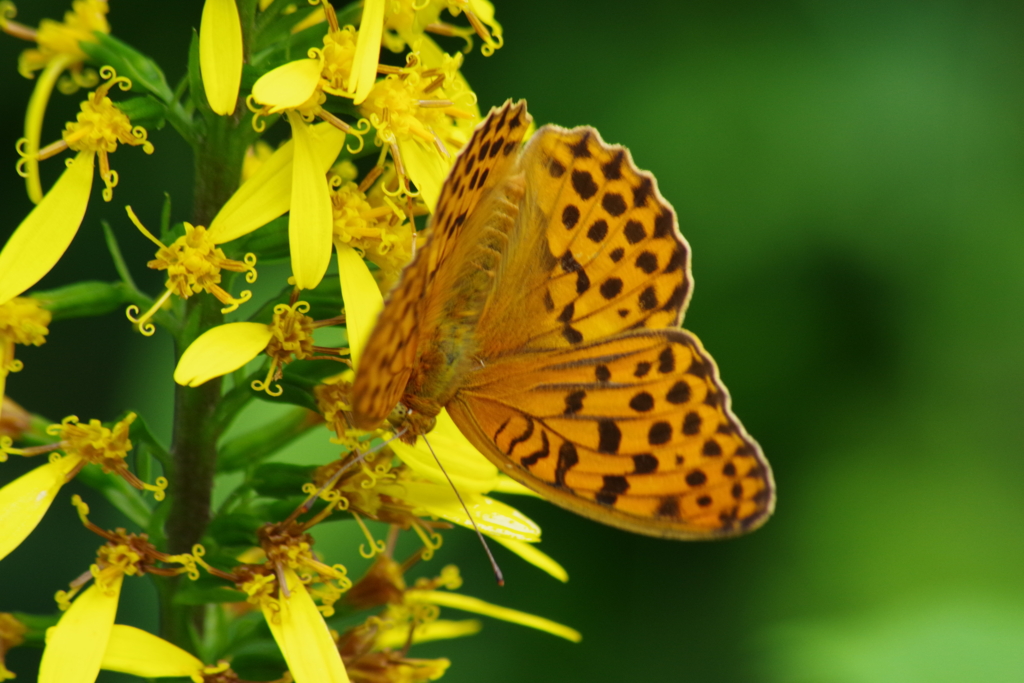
point(494, 563)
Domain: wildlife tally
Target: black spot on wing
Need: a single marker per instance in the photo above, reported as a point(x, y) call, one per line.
point(584, 184)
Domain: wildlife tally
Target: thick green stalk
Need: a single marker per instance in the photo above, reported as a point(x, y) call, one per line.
point(218, 164)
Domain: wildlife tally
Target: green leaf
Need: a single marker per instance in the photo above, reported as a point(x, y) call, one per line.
point(234, 529)
point(207, 589)
point(127, 61)
point(262, 442)
point(281, 480)
point(84, 299)
point(144, 111)
point(195, 77)
point(37, 625)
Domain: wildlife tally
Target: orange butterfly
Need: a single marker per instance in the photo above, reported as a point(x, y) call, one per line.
point(543, 313)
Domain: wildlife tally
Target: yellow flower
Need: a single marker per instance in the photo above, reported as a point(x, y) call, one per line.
point(45, 234)
point(267, 194)
point(76, 645)
point(407, 20)
point(58, 50)
point(226, 348)
point(24, 501)
point(193, 263)
point(477, 606)
point(301, 633)
point(22, 321)
point(220, 54)
point(139, 653)
point(423, 114)
point(374, 225)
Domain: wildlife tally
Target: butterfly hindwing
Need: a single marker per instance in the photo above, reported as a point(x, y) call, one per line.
point(634, 431)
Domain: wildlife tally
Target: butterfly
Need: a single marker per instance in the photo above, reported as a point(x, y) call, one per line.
point(543, 312)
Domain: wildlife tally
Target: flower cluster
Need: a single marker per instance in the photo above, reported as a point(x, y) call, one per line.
point(375, 110)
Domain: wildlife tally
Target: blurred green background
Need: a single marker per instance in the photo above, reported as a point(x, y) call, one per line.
point(851, 179)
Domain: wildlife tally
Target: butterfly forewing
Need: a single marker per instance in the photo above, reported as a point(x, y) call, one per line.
point(635, 431)
point(392, 354)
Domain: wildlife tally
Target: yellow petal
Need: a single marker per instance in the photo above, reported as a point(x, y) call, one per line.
point(220, 54)
point(302, 635)
point(45, 234)
point(492, 517)
point(470, 471)
point(478, 606)
point(442, 629)
point(221, 350)
point(425, 167)
point(25, 500)
point(75, 646)
point(133, 651)
point(311, 222)
point(34, 121)
point(367, 54)
point(268, 193)
point(535, 556)
point(363, 300)
point(287, 86)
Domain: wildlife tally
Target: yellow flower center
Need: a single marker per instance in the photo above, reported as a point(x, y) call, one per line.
point(292, 332)
point(95, 443)
point(339, 51)
point(193, 263)
point(85, 17)
point(24, 321)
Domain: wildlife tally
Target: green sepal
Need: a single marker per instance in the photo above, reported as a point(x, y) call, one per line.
point(196, 90)
point(270, 242)
point(84, 299)
point(37, 625)
point(259, 660)
point(144, 111)
point(263, 441)
point(281, 480)
point(206, 589)
point(274, 34)
point(234, 529)
point(127, 61)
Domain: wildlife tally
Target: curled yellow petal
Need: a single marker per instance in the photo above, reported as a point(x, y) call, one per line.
point(363, 300)
point(367, 54)
point(311, 221)
point(506, 484)
point(34, 120)
point(470, 471)
point(221, 350)
point(442, 629)
point(492, 517)
point(478, 606)
point(25, 500)
point(535, 556)
point(220, 54)
point(268, 193)
point(302, 635)
point(287, 86)
point(45, 234)
point(76, 645)
point(133, 651)
point(425, 167)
